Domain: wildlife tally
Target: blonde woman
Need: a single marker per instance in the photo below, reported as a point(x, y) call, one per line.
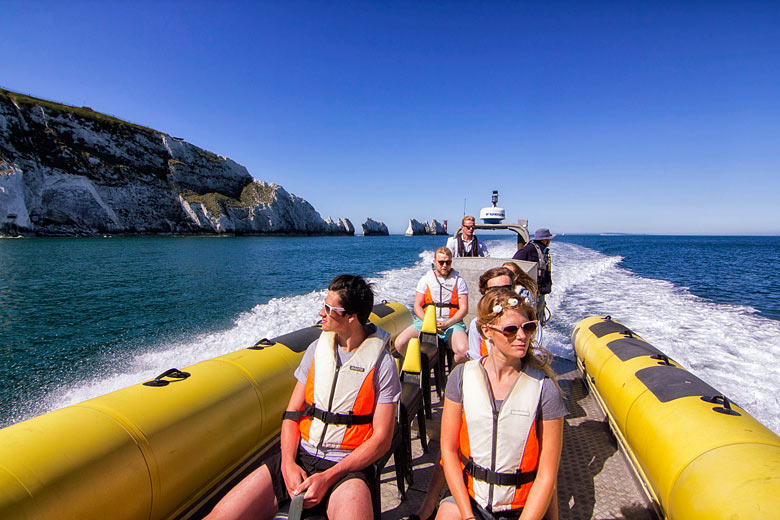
point(502, 424)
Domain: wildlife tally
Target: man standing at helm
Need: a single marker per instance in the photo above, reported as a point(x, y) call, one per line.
point(338, 422)
point(465, 242)
point(537, 250)
point(443, 288)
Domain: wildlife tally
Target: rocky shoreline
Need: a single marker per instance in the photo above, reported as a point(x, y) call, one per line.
point(69, 171)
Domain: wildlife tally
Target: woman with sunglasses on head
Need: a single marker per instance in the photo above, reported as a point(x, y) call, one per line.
point(508, 275)
point(502, 424)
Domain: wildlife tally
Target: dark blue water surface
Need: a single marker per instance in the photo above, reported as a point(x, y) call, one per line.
point(737, 270)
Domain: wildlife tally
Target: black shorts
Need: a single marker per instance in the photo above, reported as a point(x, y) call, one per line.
point(482, 514)
point(311, 465)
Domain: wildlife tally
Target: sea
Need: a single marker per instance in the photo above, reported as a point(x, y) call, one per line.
point(83, 317)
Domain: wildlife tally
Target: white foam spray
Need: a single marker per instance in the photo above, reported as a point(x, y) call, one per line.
point(278, 316)
point(729, 346)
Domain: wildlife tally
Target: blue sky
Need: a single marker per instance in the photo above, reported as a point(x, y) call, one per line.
point(646, 117)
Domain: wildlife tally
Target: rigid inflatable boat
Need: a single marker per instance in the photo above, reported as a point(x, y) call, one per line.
point(698, 455)
point(158, 449)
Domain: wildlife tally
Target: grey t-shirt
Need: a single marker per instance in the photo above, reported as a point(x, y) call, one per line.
point(553, 405)
point(387, 385)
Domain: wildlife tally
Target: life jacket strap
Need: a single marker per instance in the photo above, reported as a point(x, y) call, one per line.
point(462, 248)
point(442, 305)
point(293, 416)
point(516, 479)
point(348, 419)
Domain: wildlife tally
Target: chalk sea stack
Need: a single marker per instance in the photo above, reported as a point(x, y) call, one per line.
point(372, 227)
point(424, 228)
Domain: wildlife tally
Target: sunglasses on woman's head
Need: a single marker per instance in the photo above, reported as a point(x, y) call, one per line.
point(510, 331)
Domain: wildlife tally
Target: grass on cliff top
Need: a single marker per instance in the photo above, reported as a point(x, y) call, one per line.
point(84, 112)
point(215, 203)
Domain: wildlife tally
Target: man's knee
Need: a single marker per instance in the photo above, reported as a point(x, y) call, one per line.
point(351, 495)
point(403, 339)
point(460, 342)
point(447, 510)
point(252, 497)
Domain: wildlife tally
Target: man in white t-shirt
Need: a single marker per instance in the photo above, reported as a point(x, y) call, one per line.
point(465, 242)
point(444, 288)
point(335, 426)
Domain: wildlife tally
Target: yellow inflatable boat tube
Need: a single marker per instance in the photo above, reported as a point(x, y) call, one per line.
point(699, 455)
point(150, 451)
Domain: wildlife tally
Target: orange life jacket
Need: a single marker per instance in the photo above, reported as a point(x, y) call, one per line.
point(442, 295)
point(499, 448)
point(483, 349)
point(340, 400)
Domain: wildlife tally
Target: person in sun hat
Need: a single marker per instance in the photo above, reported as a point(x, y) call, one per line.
point(538, 250)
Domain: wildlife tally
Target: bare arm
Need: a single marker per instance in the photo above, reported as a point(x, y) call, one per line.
point(292, 473)
point(450, 456)
point(377, 445)
point(418, 305)
point(547, 472)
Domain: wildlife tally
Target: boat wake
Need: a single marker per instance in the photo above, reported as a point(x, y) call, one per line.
point(729, 346)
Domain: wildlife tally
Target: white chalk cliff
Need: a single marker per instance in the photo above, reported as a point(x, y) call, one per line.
point(72, 171)
point(372, 227)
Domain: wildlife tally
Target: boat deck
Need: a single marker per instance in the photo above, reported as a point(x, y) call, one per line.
point(594, 479)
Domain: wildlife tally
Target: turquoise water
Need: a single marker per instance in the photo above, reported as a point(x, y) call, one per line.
point(83, 317)
point(70, 308)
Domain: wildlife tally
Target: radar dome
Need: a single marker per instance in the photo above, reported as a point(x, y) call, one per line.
point(492, 214)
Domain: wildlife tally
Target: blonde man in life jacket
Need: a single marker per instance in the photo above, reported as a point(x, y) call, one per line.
point(444, 288)
point(338, 422)
point(465, 242)
point(502, 423)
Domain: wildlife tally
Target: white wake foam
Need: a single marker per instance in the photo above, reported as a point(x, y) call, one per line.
point(729, 346)
point(278, 316)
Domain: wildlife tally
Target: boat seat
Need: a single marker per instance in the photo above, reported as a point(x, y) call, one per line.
point(402, 465)
point(410, 406)
point(446, 358)
point(432, 358)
